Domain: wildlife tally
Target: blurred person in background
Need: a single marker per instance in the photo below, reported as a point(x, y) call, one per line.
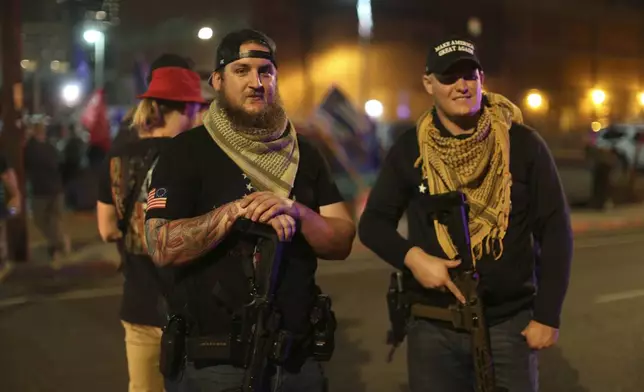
point(168, 108)
point(73, 152)
point(474, 142)
point(47, 192)
point(10, 205)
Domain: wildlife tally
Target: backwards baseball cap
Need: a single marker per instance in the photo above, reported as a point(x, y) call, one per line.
point(447, 52)
point(228, 50)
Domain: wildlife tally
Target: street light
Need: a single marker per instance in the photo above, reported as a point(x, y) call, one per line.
point(534, 100)
point(205, 33)
point(374, 108)
point(71, 94)
point(641, 98)
point(598, 96)
point(97, 38)
point(92, 36)
point(474, 26)
point(365, 18)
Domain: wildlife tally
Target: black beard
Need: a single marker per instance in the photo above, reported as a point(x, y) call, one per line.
point(270, 118)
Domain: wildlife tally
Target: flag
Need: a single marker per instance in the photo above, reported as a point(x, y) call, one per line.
point(353, 130)
point(94, 119)
point(348, 122)
point(156, 198)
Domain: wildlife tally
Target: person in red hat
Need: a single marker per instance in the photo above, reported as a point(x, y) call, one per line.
point(168, 108)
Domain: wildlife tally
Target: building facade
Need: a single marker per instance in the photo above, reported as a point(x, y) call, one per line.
point(564, 51)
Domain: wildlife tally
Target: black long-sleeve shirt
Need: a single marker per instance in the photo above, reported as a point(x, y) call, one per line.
point(539, 233)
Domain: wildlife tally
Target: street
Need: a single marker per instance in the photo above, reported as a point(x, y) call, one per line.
point(68, 337)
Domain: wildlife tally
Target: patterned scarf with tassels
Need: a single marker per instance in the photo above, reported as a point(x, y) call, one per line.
point(269, 157)
point(478, 166)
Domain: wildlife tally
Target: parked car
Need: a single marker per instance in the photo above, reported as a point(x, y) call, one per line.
point(616, 156)
point(623, 141)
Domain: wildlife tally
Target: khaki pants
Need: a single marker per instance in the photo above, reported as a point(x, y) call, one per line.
point(143, 348)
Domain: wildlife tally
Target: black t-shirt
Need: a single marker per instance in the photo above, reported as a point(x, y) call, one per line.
point(142, 296)
point(539, 211)
point(196, 176)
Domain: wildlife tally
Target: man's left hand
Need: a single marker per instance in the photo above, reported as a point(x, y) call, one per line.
point(264, 206)
point(540, 336)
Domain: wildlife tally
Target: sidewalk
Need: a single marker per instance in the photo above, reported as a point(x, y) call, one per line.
point(92, 264)
point(622, 217)
point(91, 255)
point(91, 260)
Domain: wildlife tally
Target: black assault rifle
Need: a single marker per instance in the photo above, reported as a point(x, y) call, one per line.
point(261, 340)
point(451, 210)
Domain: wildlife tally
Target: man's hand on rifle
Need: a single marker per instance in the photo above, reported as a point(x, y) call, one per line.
point(432, 272)
point(271, 209)
point(285, 226)
point(264, 206)
point(540, 336)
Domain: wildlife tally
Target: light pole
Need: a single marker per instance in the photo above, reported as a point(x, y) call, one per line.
point(97, 38)
point(365, 32)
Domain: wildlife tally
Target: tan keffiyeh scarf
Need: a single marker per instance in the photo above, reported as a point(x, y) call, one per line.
point(478, 166)
point(269, 157)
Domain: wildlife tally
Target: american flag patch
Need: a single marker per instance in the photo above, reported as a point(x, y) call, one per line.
point(157, 198)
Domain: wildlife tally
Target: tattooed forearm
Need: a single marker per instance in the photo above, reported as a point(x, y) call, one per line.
point(179, 241)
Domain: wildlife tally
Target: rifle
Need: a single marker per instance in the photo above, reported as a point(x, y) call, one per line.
point(260, 339)
point(451, 209)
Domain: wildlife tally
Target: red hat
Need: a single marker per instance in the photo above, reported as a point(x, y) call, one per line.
point(174, 84)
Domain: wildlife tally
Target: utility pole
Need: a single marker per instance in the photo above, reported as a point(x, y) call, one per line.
point(12, 139)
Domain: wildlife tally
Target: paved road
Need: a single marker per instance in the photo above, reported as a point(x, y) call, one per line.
point(67, 338)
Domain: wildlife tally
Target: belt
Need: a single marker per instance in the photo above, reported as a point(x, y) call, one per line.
point(459, 318)
point(213, 348)
point(225, 349)
point(433, 312)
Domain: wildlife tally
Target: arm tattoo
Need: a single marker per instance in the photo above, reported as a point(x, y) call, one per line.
point(182, 240)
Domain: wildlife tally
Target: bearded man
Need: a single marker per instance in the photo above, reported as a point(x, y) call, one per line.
point(246, 161)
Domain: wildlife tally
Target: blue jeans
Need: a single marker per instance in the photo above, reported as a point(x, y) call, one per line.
point(220, 378)
point(440, 359)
